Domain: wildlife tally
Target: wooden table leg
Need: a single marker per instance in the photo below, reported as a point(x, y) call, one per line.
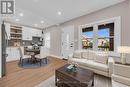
point(93, 81)
point(55, 80)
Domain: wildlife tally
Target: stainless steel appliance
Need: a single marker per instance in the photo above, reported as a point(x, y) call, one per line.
point(4, 45)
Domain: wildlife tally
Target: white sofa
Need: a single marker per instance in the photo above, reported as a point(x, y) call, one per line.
point(121, 76)
point(99, 62)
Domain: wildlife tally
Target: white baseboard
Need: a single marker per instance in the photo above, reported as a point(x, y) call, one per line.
point(59, 57)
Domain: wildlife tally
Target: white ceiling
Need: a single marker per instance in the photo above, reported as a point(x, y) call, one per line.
point(36, 10)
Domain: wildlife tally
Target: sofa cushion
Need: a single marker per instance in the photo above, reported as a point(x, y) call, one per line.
point(78, 60)
point(85, 54)
point(91, 55)
point(121, 79)
point(101, 58)
point(77, 54)
point(95, 65)
point(102, 52)
point(122, 70)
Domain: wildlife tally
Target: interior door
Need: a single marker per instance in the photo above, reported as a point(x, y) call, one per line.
point(67, 41)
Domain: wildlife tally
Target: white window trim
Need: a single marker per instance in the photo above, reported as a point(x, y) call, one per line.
point(117, 32)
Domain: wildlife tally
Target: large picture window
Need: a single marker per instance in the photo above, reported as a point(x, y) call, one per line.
point(103, 35)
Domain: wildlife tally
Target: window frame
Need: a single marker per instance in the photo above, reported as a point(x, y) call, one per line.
point(88, 38)
point(109, 30)
point(117, 32)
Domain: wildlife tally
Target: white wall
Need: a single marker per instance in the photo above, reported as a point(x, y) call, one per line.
point(0, 52)
point(121, 9)
point(129, 17)
point(129, 32)
point(55, 43)
point(129, 14)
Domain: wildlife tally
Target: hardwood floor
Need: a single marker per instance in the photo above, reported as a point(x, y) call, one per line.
point(99, 81)
point(20, 77)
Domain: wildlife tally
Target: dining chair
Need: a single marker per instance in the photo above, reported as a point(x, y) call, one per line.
point(22, 56)
point(29, 53)
point(30, 47)
point(44, 53)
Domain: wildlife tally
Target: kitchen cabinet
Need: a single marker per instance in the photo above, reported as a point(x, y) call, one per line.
point(37, 33)
point(13, 54)
point(16, 35)
point(40, 33)
point(27, 33)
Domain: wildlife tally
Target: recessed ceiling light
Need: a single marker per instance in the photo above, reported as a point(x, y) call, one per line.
point(35, 25)
point(35, 0)
point(17, 19)
point(21, 14)
point(42, 22)
point(59, 13)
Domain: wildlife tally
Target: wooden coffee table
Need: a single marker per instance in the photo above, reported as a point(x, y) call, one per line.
point(81, 78)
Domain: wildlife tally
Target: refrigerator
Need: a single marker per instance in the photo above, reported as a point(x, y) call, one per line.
point(4, 39)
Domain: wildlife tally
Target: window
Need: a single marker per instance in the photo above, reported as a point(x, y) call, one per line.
point(99, 39)
point(87, 38)
point(103, 35)
point(106, 37)
point(47, 40)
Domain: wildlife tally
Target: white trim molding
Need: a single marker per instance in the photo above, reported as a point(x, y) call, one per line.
point(0, 53)
point(59, 57)
point(117, 32)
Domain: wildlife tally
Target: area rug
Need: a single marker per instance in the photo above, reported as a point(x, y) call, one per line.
point(28, 64)
point(99, 81)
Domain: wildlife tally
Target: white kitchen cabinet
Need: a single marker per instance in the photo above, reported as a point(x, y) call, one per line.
point(26, 33)
point(37, 33)
point(13, 54)
point(7, 28)
point(34, 32)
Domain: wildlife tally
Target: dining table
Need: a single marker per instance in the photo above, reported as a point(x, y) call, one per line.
point(33, 52)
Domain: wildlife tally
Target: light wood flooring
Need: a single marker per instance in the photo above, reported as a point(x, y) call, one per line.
point(20, 77)
point(99, 81)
